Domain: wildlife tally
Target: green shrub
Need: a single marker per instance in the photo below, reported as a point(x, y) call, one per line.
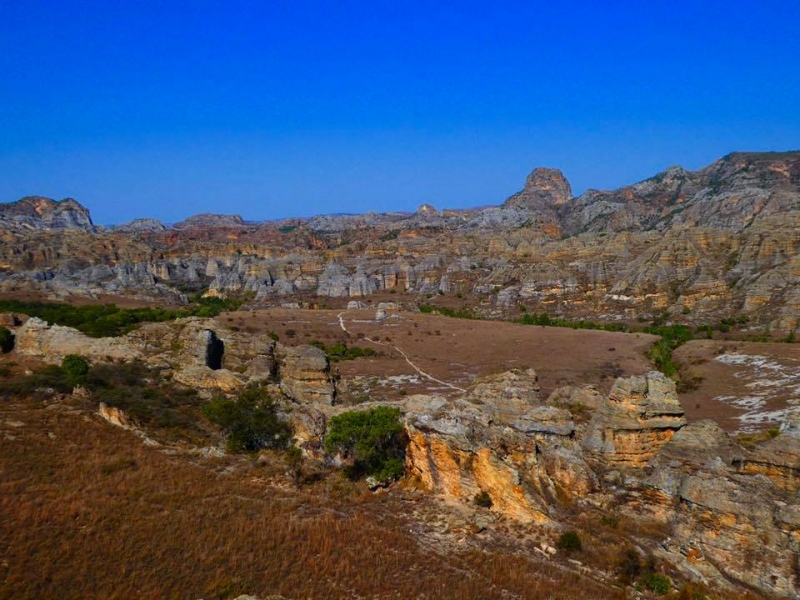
point(660, 353)
point(151, 402)
point(76, 368)
point(251, 422)
point(569, 541)
point(50, 377)
point(483, 499)
point(6, 340)
point(657, 583)
point(609, 521)
point(545, 320)
point(104, 320)
point(374, 438)
point(341, 351)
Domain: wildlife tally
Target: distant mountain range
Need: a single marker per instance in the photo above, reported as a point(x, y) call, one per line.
point(731, 193)
point(700, 245)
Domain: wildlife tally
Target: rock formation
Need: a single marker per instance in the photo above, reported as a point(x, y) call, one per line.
point(728, 523)
point(779, 459)
point(504, 443)
point(703, 245)
point(305, 374)
point(724, 526)
point(53, 342)
point(640, 415)
point(37, 212)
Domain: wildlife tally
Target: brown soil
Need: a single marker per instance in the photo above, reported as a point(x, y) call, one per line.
point(453, 350)
point(716, 379)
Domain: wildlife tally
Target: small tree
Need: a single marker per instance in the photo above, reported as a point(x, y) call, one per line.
point(629, 566)
point(6, 340)
point(483, 499)
point(569, 541)
point(76, 368)
point(374, 438)
point(251, 422)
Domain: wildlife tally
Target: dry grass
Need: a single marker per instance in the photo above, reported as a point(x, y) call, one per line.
point(87, 511)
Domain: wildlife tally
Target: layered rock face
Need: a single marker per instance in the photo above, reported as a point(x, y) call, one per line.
point(779, 459)
point(499, 439)
point(195, 354)
point(733, 516)
point(725, 525)
point(37, 212)
point(640, 415)
point(52, 343)
point(720, 242)
point(305, 374)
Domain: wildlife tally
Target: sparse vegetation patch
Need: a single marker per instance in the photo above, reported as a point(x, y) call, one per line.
point(374, 439)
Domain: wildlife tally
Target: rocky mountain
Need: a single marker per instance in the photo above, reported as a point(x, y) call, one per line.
point(210, 220)
point(720, 242)
point(733, 193)
point(37, 212)
point(140, 225)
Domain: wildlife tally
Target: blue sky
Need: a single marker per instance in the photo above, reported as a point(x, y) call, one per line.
point(274, 109)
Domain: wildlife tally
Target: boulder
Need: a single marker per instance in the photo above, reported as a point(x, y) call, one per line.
point(115, 416)
point(51, 343)
point(305, 374)
point(205, 378)
point(640, 415)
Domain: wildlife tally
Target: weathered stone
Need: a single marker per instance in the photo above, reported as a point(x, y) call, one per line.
point(499, 442)
point(115, 416)
point(52, 343)
point(641, 414)
point(209, 379)
point(779, 458)
point(305, 374)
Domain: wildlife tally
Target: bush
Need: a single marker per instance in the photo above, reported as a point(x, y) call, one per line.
point(6, 340)
point(629, 566)
point(105, 320)
point(657, 583)
point(76, 368)
point(50, 377)
point(341, 351)
point(569, 541)
point(150, 401)
point(483, 499)
point(374, 438)
point(251, 422)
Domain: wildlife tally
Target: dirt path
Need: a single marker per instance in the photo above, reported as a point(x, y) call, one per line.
point(405, 357)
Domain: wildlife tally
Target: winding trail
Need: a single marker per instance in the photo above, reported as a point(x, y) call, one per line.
point(404, 355)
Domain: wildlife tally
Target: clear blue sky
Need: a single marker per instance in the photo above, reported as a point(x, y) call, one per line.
point(272, 109)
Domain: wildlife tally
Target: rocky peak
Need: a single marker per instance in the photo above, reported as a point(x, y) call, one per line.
point(211, 220)
point(38, 212)
point(544, 188)
point(427, 210)
point(139, 225)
